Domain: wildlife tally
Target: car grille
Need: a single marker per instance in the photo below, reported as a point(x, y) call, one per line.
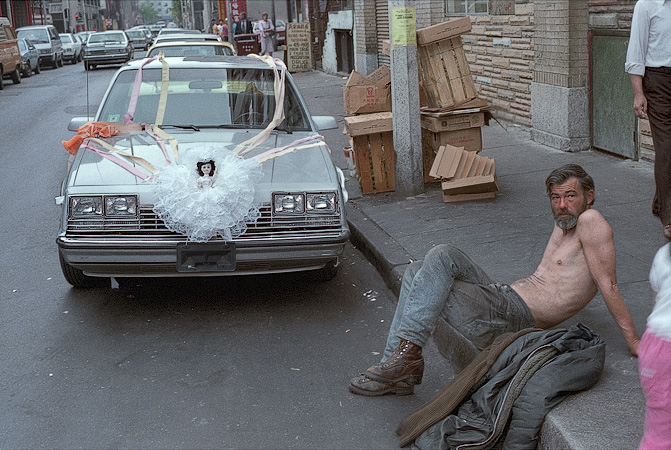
point(149, 225)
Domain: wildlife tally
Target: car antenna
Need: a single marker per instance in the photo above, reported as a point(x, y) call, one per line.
point(87, 94)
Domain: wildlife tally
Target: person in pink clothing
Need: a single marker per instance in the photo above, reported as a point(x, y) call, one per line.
point(654, 357)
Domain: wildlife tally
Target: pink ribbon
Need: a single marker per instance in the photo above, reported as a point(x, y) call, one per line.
point(120, 162)
point(128, 117)
point(280, 149)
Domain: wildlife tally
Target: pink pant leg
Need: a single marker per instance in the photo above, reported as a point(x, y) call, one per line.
point(654, 361)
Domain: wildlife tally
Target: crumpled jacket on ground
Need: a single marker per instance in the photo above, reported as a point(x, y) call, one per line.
point(526, 378)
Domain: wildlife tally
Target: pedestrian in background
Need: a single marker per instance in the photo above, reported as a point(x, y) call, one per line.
point(266, 30)
point(223, 31)
point(649, 67)
point(212, 27)
point(243, 26)
point(654, 357)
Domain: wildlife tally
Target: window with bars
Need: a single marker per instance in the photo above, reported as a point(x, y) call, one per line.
point(466, 7)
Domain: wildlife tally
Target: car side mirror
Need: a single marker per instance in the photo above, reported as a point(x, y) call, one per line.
point(77, 122)
point(325, 122)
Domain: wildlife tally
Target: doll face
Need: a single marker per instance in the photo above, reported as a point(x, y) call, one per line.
point(207, 169)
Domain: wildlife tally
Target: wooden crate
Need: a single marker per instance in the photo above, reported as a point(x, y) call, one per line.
point(375, 158)
point(445, 73)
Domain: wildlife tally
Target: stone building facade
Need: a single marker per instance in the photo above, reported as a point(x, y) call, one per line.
point(532, 60)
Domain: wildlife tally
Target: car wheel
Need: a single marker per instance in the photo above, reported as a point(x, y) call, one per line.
point(16, 75)
point(60, 61)
point(86, 65)
point(37, 67)
point(79, 58)
point(73, 61)
point(54, 62)
point(326, 273)
point(77, 278)
point(2, 86)
point(28, 71)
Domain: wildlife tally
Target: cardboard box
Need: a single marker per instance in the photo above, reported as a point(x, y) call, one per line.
point(369, 124)
point(469, 138)
point(368, 94)
point(452, 122)
point(464, 175)
point(444, 30)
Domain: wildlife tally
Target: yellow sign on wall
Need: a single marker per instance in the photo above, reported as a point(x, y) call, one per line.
point(403, 26)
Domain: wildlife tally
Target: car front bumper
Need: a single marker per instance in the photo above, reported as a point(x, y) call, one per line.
point(110, 257)
point(107, 59)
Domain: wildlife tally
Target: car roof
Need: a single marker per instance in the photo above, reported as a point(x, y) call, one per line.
point(34, 27)
point(191, 43)
point(194, 62)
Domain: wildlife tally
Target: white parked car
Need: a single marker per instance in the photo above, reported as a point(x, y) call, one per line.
point(116, 222)
point(72, 47)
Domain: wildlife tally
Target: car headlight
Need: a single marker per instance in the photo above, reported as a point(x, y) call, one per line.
point(45, 51)
point(304, 203)
point(81, 207)
point(289, 203)
point(321, 203)
point(121, 206)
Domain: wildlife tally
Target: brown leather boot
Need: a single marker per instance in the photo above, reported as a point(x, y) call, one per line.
point(362, 385)
point(405, 364)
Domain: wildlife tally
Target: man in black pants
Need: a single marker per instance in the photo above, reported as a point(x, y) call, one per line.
point(649, 67)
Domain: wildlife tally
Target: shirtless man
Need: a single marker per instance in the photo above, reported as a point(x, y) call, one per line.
point(578, 262)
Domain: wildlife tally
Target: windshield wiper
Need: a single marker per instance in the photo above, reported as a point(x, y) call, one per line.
point(183, 127)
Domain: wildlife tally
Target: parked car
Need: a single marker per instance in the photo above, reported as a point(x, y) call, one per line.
point(191, 48)
point(72, 47)
point(147, 31)
point(175, 30)
point(30, 58)
point(186, 37)
point(109, 225)
point(83, 36)
point(47, 41)
point(107, 47)
point(10, 55)
point(139, 39)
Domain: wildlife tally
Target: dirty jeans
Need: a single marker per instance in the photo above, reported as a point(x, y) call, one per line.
point(449, 285)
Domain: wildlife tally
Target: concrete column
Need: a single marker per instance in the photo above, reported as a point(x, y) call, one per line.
point(405, 98)
point(559, 90)
point(365, 36)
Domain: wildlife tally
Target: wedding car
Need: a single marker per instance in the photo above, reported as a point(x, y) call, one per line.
point(140, 204)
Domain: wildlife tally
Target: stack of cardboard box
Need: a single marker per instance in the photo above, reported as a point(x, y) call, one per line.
point(464, 175)
point(369, 127)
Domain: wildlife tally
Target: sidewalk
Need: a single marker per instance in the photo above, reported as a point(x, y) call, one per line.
point(507, 237)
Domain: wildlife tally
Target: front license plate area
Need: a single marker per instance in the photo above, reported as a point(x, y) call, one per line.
point(206, 257)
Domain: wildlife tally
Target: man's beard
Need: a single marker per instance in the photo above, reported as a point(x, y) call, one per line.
point(570, 222)
point(566, 223)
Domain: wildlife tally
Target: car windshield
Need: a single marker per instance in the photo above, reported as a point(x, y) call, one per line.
point(106, 38)
point(192, 50)
point(37, 36)
point(138, 34)
point(66, 39)
point(205, 97)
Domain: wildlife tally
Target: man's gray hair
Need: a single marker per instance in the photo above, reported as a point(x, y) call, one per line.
point(564, 173)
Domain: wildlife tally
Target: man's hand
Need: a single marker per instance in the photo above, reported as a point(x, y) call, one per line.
point(633, 346)
point(640, 105)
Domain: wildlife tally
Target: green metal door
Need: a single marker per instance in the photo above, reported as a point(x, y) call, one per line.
point(613, 120)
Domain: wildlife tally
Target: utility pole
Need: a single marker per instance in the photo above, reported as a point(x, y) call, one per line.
point(405, 97)
point(272, 18)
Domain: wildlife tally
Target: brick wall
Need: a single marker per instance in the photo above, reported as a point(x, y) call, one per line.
point(500, 53)
point(364, 22)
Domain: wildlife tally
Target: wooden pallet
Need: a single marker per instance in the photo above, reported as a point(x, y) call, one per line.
point(445, 73)
point(375, 161)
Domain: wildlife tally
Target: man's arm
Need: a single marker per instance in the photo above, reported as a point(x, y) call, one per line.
point(640, 102)
point(596, 237)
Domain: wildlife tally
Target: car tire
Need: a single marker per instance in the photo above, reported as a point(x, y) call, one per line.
point(54, 62)
point(28, 72)
point(2, 86)
point(73, 61)
point(86, 65)
point(60, 61)
point(37, 69)
point(16, 76)
point(326, 273)
point(77, 278)
point(79, 58)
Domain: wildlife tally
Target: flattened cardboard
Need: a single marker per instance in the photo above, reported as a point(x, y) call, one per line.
point(444, 30)
point(368, 94)
point(467, 197)
point(446, 162)
point(471, 185)
point(369, 123)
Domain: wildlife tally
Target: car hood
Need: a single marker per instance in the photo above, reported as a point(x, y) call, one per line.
point(306, 169)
